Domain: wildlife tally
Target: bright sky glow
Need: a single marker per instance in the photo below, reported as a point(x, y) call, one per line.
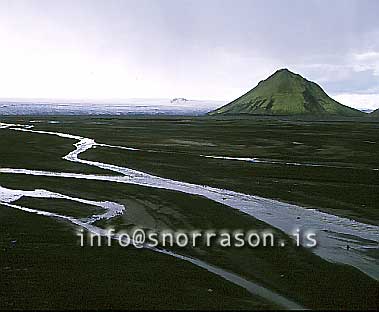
point(213, 49)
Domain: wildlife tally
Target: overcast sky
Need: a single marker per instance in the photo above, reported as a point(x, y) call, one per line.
point(205, 49)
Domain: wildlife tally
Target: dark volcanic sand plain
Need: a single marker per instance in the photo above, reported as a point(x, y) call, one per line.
point(47, 269)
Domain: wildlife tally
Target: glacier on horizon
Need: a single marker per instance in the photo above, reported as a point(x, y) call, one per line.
point(127, 107)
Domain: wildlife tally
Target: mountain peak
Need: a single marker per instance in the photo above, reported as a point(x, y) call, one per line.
point(283, 70)
point(285, 73)
point(286, 93)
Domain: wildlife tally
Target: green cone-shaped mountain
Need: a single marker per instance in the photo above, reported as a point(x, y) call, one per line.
point(375, 113)
point(286, 93)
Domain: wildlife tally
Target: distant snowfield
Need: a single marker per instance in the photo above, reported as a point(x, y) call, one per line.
point(127, 107)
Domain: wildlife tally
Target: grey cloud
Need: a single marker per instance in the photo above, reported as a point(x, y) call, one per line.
point(211, 48)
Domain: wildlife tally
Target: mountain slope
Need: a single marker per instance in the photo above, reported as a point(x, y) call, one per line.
point(375, 113)
point(286, 93)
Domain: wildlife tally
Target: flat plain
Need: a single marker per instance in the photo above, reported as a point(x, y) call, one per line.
point(325, 164)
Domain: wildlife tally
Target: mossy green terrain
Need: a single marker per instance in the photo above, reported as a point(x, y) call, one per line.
point(375, 113)
point(286, 93)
